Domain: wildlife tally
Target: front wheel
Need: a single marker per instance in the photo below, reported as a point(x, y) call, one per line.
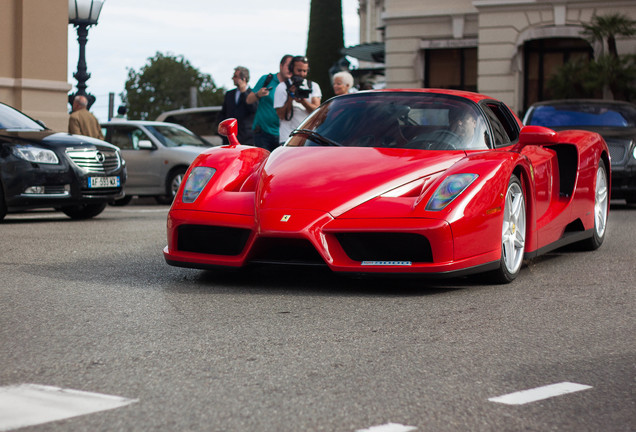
point(84, 211)
point(3, 207)
point(601, 209)
point(513, 234)
point(121, 201)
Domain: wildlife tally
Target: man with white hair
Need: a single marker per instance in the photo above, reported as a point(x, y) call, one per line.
point(81, 122)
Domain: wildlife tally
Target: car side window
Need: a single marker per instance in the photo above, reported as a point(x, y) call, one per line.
point(136, 136)
point(500, 135)
point(127, 137)
point(504, 127)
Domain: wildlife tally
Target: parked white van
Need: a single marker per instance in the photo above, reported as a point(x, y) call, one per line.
point(203, 121)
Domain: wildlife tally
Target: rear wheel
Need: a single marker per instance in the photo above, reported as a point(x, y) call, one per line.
point(84, 211)
point(601, 209)
point(513, 234)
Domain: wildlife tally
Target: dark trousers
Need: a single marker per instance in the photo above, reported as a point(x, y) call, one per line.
point(265, 140)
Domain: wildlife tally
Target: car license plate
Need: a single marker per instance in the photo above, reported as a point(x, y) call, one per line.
point(103, 182)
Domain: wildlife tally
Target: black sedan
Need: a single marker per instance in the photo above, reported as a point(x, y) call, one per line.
point(615, 121)
point(40, 168)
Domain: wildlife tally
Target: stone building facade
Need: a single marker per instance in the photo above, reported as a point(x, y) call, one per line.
point(33, 64)
point(506, 49)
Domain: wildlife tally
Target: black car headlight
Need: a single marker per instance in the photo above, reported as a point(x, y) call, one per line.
point(36, 154)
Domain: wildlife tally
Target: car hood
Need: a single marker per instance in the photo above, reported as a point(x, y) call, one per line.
point(335, 180)
point(50, 138)
point(188, 149)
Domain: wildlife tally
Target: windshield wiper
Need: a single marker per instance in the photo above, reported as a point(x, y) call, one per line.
point(316, 137)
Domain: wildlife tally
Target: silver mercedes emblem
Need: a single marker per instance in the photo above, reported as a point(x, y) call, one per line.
point(100, 157)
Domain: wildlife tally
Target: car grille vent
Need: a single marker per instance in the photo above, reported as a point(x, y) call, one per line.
point(94, 192)
point(378, 246)
point(285, 251)
point(95, 160)
point(618, 149)
point(211, 240)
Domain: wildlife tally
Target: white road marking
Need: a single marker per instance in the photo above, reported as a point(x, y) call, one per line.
point(31, 404)
point(389, 427)
point(539, 393)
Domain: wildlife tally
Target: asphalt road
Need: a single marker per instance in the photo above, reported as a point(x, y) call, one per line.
point(92, 306)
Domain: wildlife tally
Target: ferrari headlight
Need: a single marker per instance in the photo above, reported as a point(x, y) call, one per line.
point(36, 154)
point(451, 188)
point(198, 178)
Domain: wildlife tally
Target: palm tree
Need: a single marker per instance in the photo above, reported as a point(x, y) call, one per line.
point(617, 72)
point(605, 28)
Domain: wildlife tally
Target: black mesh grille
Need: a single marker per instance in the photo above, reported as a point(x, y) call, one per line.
point(286, 251)
point(378, 246)
point(211, 239)
point(618, 149)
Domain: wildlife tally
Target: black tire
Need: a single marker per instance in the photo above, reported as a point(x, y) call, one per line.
point(601, 209)
point(3, 206)
point(173, 181)
point(122, 201)
point(84, 211)
point(513, 234)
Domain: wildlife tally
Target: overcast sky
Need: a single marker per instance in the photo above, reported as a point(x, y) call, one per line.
point(214, 35)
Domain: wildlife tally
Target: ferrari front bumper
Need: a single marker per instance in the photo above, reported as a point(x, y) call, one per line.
point(200, 239)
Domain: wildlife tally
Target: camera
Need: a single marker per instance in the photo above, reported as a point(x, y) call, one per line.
point(300, 92)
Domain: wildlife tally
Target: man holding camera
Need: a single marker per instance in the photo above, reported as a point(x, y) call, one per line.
point(296, 97)
point(266, 123)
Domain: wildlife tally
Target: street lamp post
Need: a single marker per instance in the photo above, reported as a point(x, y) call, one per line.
point(83, 14)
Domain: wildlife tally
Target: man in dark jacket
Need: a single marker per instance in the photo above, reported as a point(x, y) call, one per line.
point(236, 106)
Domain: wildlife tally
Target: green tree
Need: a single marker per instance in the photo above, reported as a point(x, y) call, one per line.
point(164, 84)
point(605, 29)
point(575, 79)
point(609, 71)
point(324, 41)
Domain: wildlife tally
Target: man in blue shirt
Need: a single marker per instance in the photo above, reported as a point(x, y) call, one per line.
point(266, 121)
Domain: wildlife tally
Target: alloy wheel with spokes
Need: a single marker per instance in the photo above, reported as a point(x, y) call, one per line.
point(513, 233)
point(601, 208)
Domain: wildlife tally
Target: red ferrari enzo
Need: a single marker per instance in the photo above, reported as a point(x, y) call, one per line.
point(430, 182)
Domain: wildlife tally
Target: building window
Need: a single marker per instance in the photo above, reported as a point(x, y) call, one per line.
point(542, 57)
point(451, 68)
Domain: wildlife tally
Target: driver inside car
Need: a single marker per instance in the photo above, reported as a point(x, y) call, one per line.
point(460, 132)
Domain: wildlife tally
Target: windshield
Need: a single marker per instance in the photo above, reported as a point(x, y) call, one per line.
point(12, 119)
point(173, 136)
point(583, 114)
point(395, 120)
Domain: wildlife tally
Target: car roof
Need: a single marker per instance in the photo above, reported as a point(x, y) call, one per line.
point(475, 97)
point(165, 114)
point(582, 101)
point(139, 123)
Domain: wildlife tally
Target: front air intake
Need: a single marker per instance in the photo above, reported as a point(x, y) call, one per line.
point(212, 240)
point(383, 246)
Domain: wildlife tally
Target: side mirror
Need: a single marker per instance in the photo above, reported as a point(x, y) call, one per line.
point(229, 128)
point(537, 135)
point(145, 145)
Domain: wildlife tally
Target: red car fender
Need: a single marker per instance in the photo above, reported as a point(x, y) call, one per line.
point(234, 166)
